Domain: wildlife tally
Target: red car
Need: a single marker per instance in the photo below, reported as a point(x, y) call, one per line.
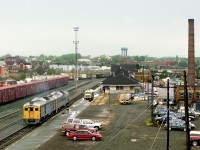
point(67, 127)
point(84, 135)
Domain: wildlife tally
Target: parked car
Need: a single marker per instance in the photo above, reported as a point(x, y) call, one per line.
point(67, 127)
point(163, 119)
point(177, 124)
point(160, 110)
point(84, 135)
point(140, 96)
point(155, 93)
point(91, 123)
point(195, 138)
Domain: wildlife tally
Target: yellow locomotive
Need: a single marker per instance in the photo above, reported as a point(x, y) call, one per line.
point(40, 108)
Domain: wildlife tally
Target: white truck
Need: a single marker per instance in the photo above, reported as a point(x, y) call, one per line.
point(91, 123)
point(125, 98)
point(89, 95)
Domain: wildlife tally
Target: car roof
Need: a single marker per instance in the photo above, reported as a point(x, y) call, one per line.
point(194, 132)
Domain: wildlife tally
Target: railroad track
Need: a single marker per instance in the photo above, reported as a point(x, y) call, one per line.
point(5, 115)
point(17, 129)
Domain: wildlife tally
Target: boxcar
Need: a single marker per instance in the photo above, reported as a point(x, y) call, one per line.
point(20, 90)
point(12, 92)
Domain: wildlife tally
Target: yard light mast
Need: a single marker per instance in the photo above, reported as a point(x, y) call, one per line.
point(76, 29)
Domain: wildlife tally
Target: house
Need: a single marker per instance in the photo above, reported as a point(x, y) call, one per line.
point(12, 63)
point(3, 70)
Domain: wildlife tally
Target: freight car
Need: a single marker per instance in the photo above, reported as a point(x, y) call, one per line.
point(41, 108)
point(13, 92)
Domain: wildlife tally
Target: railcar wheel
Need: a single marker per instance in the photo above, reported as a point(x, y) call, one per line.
point(93, 138)
point(74, 138)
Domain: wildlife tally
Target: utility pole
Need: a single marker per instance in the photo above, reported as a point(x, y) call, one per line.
point(152, 90)
point(167, 114)
point(76, 29)
point(143, 78)
point(186, 113)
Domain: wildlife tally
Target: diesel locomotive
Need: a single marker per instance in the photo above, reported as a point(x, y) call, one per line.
point(41, 108)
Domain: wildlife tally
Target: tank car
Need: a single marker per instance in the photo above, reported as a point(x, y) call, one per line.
point(41, 108)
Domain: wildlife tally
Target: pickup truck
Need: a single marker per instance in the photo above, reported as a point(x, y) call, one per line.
point(91, 123)
point(195, 138)
point(67, 127)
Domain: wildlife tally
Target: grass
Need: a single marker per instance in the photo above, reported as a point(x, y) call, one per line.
point(149, 122)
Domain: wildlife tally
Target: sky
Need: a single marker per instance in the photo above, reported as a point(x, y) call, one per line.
point(155, 28)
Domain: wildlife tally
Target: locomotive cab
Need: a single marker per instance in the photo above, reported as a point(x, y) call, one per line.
point(31, 114)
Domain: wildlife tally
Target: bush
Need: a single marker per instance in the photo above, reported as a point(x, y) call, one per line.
point(149, 122)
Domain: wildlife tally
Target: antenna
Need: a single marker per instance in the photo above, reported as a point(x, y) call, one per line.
point(76, 49)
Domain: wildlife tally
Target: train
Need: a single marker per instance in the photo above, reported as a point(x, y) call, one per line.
point(40, 109)
point(13, 92)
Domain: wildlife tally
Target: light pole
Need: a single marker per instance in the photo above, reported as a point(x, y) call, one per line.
point(143, 78)
point(76, 49)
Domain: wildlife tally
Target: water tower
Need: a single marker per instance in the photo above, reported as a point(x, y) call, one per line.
point(124, 51)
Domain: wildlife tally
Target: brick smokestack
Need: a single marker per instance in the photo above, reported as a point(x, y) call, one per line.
point(191, 57)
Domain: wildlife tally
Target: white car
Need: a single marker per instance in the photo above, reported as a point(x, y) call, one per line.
point(91, 123)
point(140, 96)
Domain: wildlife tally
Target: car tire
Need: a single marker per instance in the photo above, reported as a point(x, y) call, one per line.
point(93, 138)
point(96, 128)
point(67, 133)
point(194, 143)
point(74, 138)
point(157, 122)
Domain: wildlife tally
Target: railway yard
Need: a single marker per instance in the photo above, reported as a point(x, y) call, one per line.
point(12, 126)
point(123, 126)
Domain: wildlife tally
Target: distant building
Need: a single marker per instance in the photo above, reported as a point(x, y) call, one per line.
point(3, 70)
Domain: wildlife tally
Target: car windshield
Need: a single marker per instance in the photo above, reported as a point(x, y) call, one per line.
point(70, 120)
point(89, 122)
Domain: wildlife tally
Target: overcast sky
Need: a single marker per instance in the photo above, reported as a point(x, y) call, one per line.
point(155, 28)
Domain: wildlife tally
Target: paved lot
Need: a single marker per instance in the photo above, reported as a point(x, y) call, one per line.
point(124, 129)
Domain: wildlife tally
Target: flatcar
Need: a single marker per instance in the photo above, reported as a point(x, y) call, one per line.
point(41, 108)
point(13, 92)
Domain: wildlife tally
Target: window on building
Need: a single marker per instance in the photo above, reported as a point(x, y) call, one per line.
point(181, 95)
point(197, 95)
point(189, 95)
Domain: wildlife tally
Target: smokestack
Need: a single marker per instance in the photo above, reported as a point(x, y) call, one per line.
point(191, 57)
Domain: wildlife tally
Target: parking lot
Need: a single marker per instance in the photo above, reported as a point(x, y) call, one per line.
point(123, 128)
